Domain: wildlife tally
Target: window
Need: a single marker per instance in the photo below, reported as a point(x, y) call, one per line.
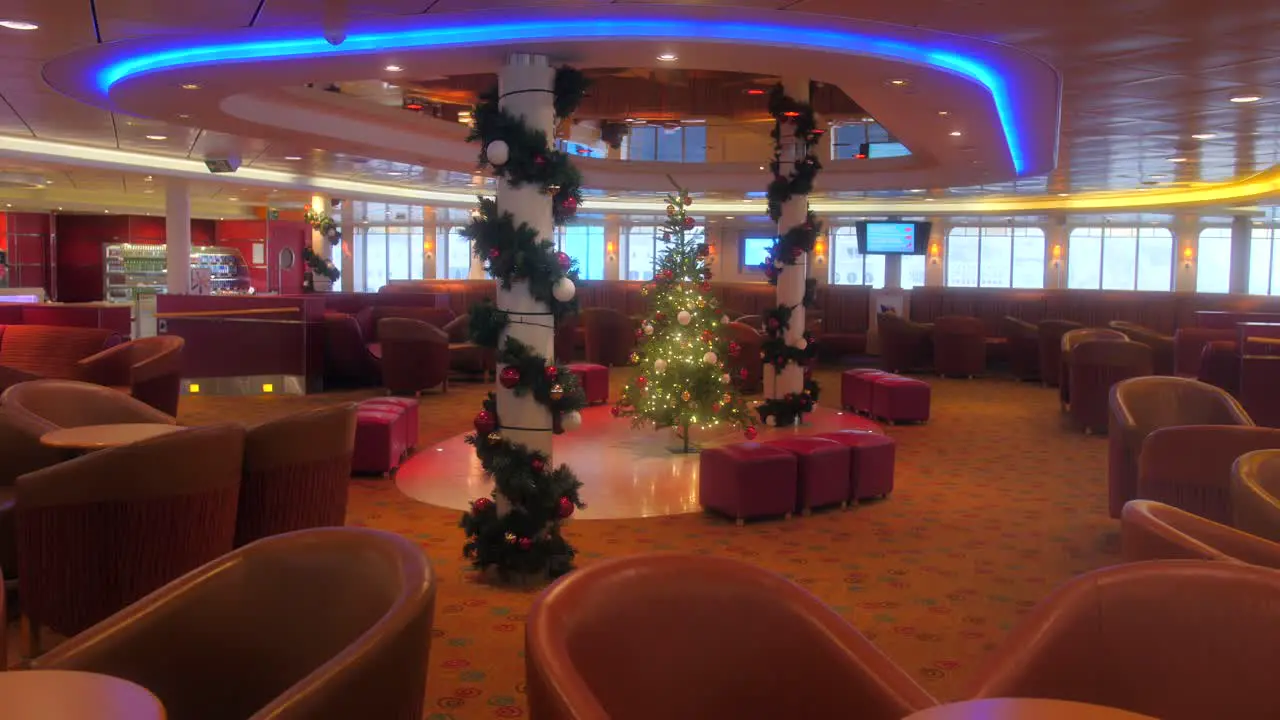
point(1264, 270)
point(999, 257)
point(645, 245)
point(686, 143)
point(584, 243)
point(912, 273)
point(455, 262)
point(848, 138)
point(1213, 264)
point(755, 251)
point(1120, 258)
point(848, 266)
point(390, 253)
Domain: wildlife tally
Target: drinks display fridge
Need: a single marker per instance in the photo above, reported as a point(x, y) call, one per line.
point(131, 270)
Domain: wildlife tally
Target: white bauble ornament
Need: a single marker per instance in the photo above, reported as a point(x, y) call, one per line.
point(659, 365)
point(498, 153)
point(802, 343)
point(563, 290)
point(648, 329)
point(684, 318)
point(710, 358)
point(724, 319)
point(778, 264)
point(571, 421)
point(770, 421)
point(724, 379)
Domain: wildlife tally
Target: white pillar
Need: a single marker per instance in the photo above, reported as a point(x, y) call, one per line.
point(791, 280)
point(348, 279)
point(525, 88)
point(1186, 236)
point(934, 269)
point(319, 244)
point(1241, 234)
point(177, 234)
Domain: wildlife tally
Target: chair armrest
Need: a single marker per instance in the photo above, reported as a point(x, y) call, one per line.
point(113, 366)
point(1200, 455)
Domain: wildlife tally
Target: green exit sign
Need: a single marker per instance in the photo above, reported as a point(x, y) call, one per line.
point(273, 214)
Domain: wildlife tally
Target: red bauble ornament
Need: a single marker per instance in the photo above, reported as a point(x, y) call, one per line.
point(706, 287)
point(743, 373)
point(552, 372)
point(524, 543)
point(707, 335)
point(494, 253)
point(480, 505)
point(642, 381)
point(770, 272)
point(773, 323)
point(485, 422)
point(564, 260)
point(537, 464)
point(509, 377)
point(539, 160)
point(639, 332)
point(564, 507)
point(750, 432)
point(734, 349)
point(659, 316)
point(796, 252)
point(688, 223)
point(615, 411)
point(715, 407)
point(570, 203)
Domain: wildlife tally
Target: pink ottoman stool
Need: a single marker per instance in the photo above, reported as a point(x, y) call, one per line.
point(852, 386)
point(407, 406)
point(379, 441)
point(870, 462)
point(822, 471)
point(860, 389)
point(899, 399)
point(747, 480)
point(594, 380)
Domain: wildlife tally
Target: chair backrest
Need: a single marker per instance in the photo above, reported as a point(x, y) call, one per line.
point(21, 451)
point(301, 438)
point(459, 329)
point(68, 403)
point(315, 624)
point(1255, 493)
point(398, 329)
point(959, 325)
point(1174, 639)
point(675, 637)
point(52, 351)
point(1071, 338)
point(1151, 530)
point(1012, 327)
point(1107, 352)
point(1161, 401)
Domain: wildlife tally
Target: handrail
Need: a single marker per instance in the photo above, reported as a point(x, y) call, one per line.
point(227, 313)
point(265, 321)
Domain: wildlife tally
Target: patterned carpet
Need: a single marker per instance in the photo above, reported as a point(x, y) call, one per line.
point(996, 503)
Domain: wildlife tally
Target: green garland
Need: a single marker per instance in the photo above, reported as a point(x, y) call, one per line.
point(569, 88)
point(514, 252)
point(319, 265)
point(792, 244)
point(551, 385)
point(790, 408)
point(775, 350)
point(799, 181)
point(323, 224)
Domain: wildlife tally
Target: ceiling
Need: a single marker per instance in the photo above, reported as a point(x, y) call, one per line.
point(1139, 79)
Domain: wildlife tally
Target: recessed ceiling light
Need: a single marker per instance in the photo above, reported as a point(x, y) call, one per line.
point(1063, 194)
point(916, 190)
point(233, 198)
point(928, 199)
point(1205, 136)
point(1246, 98)
point(18, 25)
point(393, 68)
point(728, 217)
point(157, 137)
point(292, 157)
point(667, 57)
point(956, 133)
point(1177, 159)
point(190, 86)
point(898, 81)
point(761, 167)
point(1157, 177)
point(147, 179)
point(943, 113)
point(183, 116)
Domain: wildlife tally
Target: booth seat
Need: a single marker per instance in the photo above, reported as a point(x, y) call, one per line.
point(352, 345)
point(1189, 344)
point(29, 352)
point(109, 316)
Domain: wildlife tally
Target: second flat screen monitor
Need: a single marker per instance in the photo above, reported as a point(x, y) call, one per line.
point(892, 238)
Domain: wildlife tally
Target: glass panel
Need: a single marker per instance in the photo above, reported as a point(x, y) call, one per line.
point(584, 243)
point(1213, 263)
point(1028, 258)
point(398, 256)
point(695, 143)
point(1084, 258)
point(962, 256)
point(1119, 258)
point(873, 273)
point(1155, 259)
point(846, 263)
point(670, 144)
point(458, 255)
point(1261, 252)
point(375, 259)
point(995, 257)
point(642, 143)
point(416, 239)
point(912, 272)
point(640, 252)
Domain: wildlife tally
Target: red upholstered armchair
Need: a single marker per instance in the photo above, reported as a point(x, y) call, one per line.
point(1154, 531)
point(48, 351)
point(1260, 388)
point(466, 357)
point(1069, 340)
point(959, 346)
point(415, 356)
point(1140, 406)
point(608, 335)
point(1094, 367)
point(1024, 347)
point(1188, 347)
point(1189, 467)
point(904, 345)
point(682, 637)
point(1162, 348)
point(149, 369)
point(1051, 332)
point(1173, 639)
point(1255, 493)
point(749, 341)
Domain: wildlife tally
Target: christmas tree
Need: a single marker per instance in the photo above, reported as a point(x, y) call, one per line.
point(682, 383)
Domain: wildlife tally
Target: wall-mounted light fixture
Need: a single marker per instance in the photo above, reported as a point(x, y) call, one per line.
point(428, 249)
point(935, 253)
point(1057, 255)
point(611, 250)
point(819, 251)
point(1188, 255)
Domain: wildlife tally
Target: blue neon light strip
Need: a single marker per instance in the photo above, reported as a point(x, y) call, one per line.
point(479, 32)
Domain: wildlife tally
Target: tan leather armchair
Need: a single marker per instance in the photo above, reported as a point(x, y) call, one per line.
point(1255, 493)
point(1050, 334)
point(683, 637)
point(1070, 340)
point(149, 369)
point(1154, 531)
point(1172, 639)
point(905, 345)
point(317, 624)
point(959, 346)
point(1139, 406)
point(1093, 368)
point(1024, 347)
point(67, 403)
point(100, 531)
point(296, 473)
point(1162, 349)
point(21, 452)
point(1190, 466)
point(415, 356)
point(466, 357)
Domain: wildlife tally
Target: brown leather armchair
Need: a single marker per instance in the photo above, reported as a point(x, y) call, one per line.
point(1050, 333)
point(415, 356)
point(1155, 531)
point(1189, 467)
point(1023, 339)
point(748, 358)
point(149, 369)
point(1139, 406)
point(959, 346)
point(904, 345)
point(1094, 367)
point(1162, 349)
point(311, 625)
point(99, 532)
point(682, 637)
point(1255, 493)
point(21, 452)
point(56, 404)
point(608, 336)
point(466, 357)
point(1259, 388)
point(296, 472)
point(1173, 639)
point(1071, 339)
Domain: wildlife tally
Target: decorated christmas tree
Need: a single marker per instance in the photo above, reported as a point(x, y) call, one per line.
point(683, 383)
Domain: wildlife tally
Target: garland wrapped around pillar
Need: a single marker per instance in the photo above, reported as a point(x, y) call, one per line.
point(787, 348)
point(516, 530)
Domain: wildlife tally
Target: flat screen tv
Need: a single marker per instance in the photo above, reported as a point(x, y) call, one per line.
point(755, 251)
point(892, 238)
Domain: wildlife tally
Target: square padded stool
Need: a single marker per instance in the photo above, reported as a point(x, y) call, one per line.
point(408, 407)
point(594, 380)
point(900, 399)
point(852, 386)
point(871, 457)
point(822, 471)
point(379, 442)
point(747, 480)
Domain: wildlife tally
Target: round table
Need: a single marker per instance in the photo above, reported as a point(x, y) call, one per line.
point(1024, 709)
point(97, 437)
point(31, 694)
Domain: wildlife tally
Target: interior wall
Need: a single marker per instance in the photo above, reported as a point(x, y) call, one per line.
point(81, 240)
point(24, 237)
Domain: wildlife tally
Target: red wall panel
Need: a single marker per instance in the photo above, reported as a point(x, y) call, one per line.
point(25, 239)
